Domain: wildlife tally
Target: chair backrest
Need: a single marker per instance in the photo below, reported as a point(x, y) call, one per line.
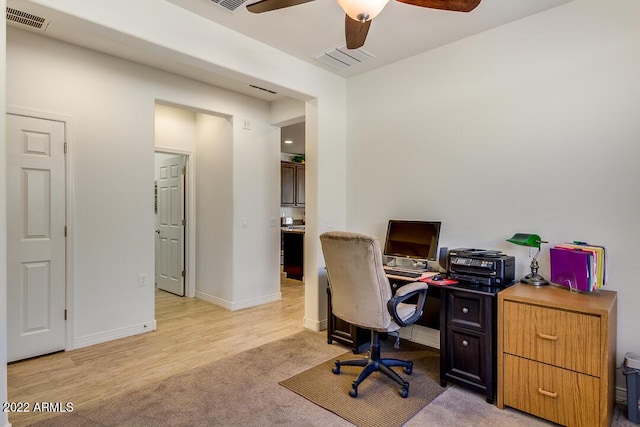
point(359, 287)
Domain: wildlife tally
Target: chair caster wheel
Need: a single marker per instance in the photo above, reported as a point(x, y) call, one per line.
point(408, 370)
point(353, 392)
point(336, 369)
point(404, 392)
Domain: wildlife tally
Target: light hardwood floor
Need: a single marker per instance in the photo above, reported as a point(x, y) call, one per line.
point(190, 333)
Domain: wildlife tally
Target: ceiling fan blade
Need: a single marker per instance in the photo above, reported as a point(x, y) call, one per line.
point(268, 5)
point(355, 32)
point(454, 5)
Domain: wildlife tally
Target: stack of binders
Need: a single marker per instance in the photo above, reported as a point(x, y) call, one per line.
point(579, 266)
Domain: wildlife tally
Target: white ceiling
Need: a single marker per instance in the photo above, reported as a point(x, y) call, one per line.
point(400, 31)
point(303, 31)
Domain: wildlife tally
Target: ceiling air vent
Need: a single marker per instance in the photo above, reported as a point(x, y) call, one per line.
point(343, 58)
point(24, 18)
point(229, 4)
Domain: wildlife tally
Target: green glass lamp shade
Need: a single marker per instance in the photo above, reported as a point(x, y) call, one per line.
point(531, 241)
point(522, 239)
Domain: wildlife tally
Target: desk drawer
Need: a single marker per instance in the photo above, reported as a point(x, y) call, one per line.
point(467, 310)
point(559, 395)
point(557, 337)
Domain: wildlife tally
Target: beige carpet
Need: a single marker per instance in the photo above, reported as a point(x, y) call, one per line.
point(378, 403)
point(243, 390)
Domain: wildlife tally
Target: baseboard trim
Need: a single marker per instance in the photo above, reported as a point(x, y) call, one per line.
point(315, 325)
point(233, 306)
point(114, 334)
point(214, 300)
point(621, 395)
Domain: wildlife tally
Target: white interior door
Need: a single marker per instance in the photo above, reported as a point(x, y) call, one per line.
point(35, 237)
point(170, 225)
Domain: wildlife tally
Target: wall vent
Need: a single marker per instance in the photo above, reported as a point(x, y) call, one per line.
point(24, 18)
point(231, 5)
point(263, 89)
point(343, 58)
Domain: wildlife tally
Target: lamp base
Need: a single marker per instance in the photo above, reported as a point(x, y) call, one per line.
point(534, 280)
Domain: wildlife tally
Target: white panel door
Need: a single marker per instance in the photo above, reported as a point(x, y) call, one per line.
point(35, 237)
point(170, 232)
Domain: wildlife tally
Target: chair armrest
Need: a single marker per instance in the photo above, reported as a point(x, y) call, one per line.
point(404, 293)
point(411, 287)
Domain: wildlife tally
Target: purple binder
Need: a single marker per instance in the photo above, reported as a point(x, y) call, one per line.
point(571, 268)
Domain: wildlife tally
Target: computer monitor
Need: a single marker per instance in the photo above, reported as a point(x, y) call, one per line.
point(416, 240)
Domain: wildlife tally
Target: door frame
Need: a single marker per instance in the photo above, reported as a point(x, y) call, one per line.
point(69, 138)
point(190, 216)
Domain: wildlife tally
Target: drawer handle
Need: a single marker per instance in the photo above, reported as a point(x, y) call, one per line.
point(465, 310)
point(465, 343)
point(548, 337)
point(547, 393)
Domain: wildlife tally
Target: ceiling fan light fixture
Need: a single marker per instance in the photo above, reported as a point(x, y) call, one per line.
point(362, 10)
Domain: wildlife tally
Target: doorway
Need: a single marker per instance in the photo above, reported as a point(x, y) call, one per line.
point(170, 220)
point(36, 236)
point(292, 202)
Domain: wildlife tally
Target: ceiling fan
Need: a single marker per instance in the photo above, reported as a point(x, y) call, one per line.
point(359, 13)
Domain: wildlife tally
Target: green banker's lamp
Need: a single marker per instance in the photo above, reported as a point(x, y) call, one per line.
point(531, 241)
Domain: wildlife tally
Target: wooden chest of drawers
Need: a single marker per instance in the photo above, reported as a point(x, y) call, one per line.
point(556, 354)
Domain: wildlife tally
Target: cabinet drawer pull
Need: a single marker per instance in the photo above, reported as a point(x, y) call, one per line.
point(465, 310)
point(547, 393)
point(548, 337)
point(465, 343)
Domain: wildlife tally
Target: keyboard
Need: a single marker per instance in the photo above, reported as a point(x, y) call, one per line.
point(403, 273)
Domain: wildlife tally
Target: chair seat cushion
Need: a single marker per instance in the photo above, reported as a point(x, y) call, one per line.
point(405, 311)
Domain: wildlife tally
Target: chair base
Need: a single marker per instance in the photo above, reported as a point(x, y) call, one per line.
point(374, 363)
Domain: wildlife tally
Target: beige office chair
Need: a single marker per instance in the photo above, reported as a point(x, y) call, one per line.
point(361, 295)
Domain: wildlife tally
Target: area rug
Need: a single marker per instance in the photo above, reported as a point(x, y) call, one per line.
point(378, 403)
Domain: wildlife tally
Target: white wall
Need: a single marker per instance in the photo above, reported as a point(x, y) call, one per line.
point(175, 128)
point(256, 249)
point(214, 209)
point(112, 103)
point(3, 223)
point(112, 152)
point(235, 56)
point(287, 111)
point(529, 127)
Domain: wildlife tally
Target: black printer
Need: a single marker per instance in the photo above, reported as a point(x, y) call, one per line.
point(481, 266)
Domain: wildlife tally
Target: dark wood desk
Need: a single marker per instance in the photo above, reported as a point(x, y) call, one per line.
point(465, 314)
point(468, 337)
point(358, 339)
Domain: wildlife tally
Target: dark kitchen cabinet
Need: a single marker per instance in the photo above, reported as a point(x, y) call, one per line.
point(293, 254)
point(292, 191)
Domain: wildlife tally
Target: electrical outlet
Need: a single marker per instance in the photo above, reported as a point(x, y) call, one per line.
point(142, 280)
